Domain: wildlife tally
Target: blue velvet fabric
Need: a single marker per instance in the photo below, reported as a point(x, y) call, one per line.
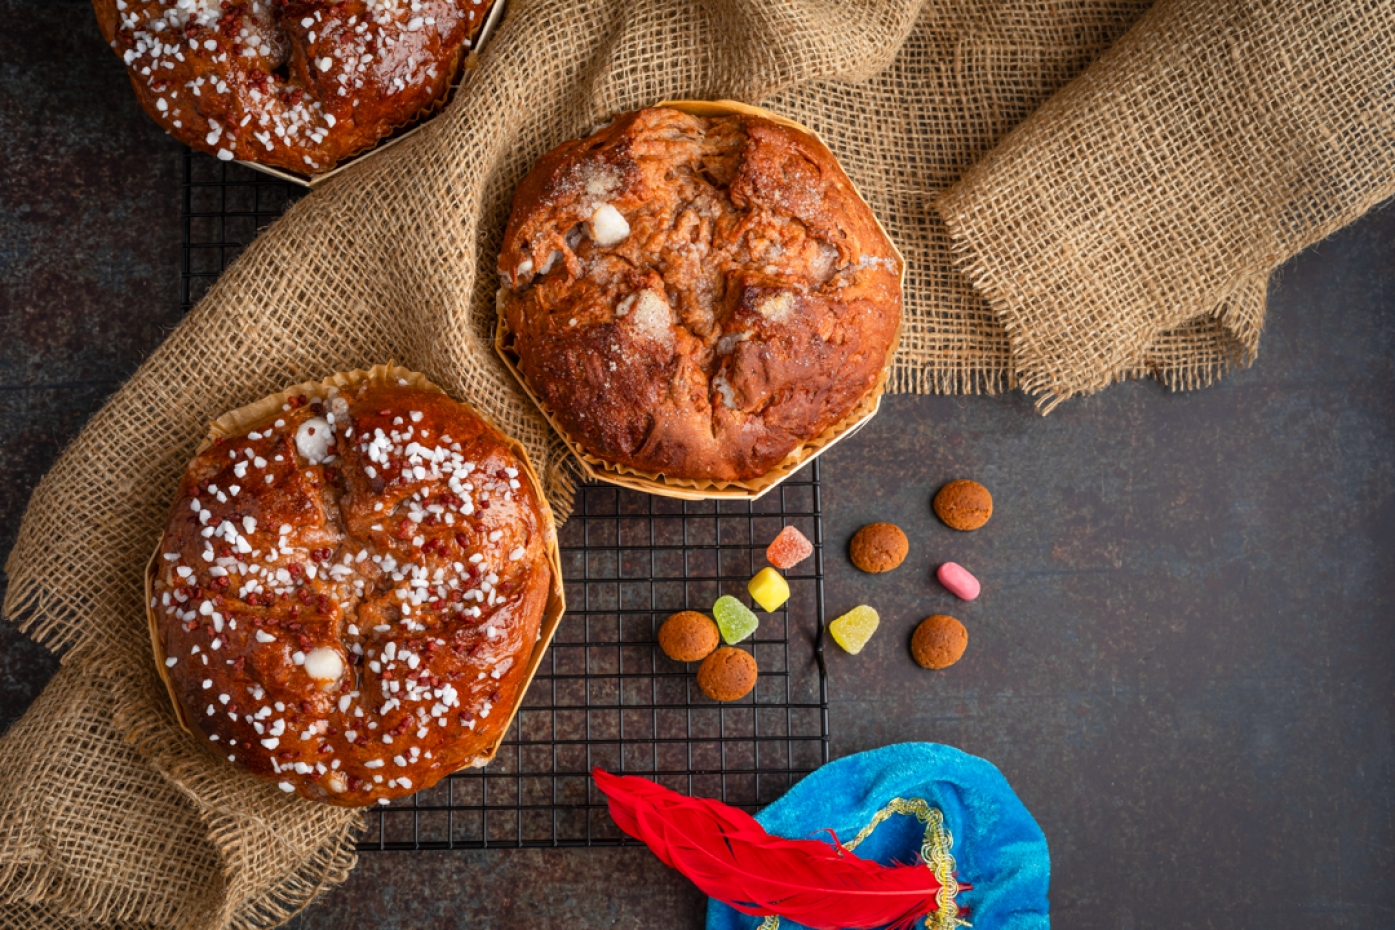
point(998, 847)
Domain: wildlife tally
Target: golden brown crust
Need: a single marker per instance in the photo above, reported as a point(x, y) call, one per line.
point(878, 547)
point(938, 642)
point(298, 85)
point(359, 625)
point(963, 505)
point(744, 302)
point(688, 636)
point(728, 674)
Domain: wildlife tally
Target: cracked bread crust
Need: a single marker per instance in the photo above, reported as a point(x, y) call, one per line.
point(696, 297)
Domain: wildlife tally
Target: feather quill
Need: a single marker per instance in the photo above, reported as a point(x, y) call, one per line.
point(730, 857)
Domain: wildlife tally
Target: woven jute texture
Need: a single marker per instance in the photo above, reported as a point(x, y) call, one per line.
point(1130, 225)
point(111, 816)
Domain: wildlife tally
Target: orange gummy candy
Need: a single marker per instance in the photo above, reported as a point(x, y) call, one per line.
point(788, 549)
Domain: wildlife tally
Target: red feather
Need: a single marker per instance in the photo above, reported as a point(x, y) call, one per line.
point(730, 857)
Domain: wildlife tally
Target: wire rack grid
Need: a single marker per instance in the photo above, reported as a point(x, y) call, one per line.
point(605, 694)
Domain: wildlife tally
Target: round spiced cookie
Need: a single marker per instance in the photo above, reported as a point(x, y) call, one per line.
point(696, 296)
point(351, 585)
point(728, 674)
point(963, 505)
point(938, 642)
point(878, 547)
point(688, 636)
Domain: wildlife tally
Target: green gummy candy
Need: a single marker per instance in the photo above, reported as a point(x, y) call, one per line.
point(734, 619)
point(854, 628)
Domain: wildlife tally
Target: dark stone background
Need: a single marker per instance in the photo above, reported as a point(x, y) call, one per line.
point(1184, 657)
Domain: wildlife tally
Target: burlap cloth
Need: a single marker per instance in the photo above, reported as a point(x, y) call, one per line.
point(1128, 226)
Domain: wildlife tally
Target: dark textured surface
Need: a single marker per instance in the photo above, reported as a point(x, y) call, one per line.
point(1184, 656)
point(89, 253)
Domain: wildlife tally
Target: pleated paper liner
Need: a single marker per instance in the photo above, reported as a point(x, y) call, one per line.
point(411, 125)
point(690, 489)
point(239, 421)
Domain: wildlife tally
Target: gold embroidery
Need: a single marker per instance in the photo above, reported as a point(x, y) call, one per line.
point(935, 850)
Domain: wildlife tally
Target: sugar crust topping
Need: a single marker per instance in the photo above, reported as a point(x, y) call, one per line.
point(328, 646)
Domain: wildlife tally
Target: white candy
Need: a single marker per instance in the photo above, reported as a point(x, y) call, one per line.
point(313, 439)
point(323, 664)
point(652, 317)
point(607, 226)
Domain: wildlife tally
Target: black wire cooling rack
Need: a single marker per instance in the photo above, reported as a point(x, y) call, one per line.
point(605, 694)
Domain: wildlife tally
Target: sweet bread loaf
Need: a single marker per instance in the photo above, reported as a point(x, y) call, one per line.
point(696, 296)
point(299, 86)
point(350, 588)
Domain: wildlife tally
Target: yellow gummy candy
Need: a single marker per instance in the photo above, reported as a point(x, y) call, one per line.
point(854, 628)
point(769, 589)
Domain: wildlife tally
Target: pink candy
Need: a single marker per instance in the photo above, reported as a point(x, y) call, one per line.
point(958, 580)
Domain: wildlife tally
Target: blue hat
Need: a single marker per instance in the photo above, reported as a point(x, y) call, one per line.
point(891, 803)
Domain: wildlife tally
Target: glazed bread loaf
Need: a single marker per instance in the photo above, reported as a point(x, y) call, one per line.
point(348, 592)
point(297, 85)
point(694, 296)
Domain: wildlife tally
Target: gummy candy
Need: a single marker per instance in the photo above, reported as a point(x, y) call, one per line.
point(788, 549)
point(854, 628)
point(734, 619)
point(769, 589)
point(958, 580)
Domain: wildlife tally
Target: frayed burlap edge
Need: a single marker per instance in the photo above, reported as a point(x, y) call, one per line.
point(141, 710)
point(1129, 226)
point(60, 822)
point(1189, 357)
point(241, 817)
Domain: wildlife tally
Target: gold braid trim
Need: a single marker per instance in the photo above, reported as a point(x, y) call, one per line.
point(935, 850)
